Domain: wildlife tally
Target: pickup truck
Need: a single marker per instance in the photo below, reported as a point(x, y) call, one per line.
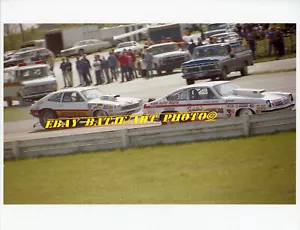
point(217, 60)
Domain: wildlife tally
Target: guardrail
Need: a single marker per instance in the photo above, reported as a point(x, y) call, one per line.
point(167, 134)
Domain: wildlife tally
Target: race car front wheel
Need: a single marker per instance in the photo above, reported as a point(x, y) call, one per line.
point(244, 112)
point(46, 114)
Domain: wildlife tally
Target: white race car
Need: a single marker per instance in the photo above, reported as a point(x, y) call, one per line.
point(223, 97)
point(83, 102)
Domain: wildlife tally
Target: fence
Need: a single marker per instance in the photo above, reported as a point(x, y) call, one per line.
point(262, 46)
point(167, 134)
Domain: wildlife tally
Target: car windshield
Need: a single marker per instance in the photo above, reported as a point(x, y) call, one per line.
point(164, 49)
point(91, 94)
point(210, 51)
point(225, 89)
point(31, 74)
point(217, 26)
point(125, 44)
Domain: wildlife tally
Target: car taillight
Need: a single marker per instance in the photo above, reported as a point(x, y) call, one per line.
point(22, 64)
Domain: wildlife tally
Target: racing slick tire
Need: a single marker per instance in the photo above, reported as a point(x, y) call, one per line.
point(244, 71)
point(100, 113)
point(46, 114)
point(190, 81)
point(244, 112)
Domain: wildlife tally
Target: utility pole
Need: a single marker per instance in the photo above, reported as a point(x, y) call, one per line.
point(22, 33)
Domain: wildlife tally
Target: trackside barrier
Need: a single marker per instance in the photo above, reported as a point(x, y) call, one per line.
point(147, 136)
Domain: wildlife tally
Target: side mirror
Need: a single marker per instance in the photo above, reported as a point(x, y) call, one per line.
point(232, 55)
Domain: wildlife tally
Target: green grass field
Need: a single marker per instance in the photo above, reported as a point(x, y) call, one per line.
point(254, 170)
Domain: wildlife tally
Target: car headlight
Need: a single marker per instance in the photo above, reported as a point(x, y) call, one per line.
point(269, 104)
point(291, 97)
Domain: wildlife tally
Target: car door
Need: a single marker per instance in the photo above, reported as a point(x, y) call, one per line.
point(73, 105)
point(205, 99)
point(177, 101)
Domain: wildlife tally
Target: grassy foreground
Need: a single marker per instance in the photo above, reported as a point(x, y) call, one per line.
point(254, 170)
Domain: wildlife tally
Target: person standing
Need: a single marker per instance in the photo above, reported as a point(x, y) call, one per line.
point(251, 43)
point(270, 36)
point(105, 66)
point(130, 62)
point(69, 72)
point(148, 59)
point(112, 61)
point(124, 65)
point(199, 42)
point(97, 66)
point(63, 67)
point(132, 55)
point(85, 68)
point(191, 47)
point(78, 68)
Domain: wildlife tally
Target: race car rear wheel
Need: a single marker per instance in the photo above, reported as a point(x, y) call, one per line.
point(244, 112)
point(100, 113)
point(190, 81)
point(46, 114)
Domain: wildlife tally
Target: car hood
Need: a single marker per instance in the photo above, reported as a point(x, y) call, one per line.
point(170, 54)
point(259, 94)
point(204, 60)
point(114, 100)
point(44, 80)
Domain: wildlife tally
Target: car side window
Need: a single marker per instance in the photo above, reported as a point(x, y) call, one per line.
point(178, 96)
point(56, 97)
point(72, 97)
point(202, 93)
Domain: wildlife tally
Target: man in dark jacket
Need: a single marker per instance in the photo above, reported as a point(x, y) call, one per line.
point(191, 47)
point(63, 67)
point(78, 68)
point(85, 68)
point(112, 61)
point(105, 68)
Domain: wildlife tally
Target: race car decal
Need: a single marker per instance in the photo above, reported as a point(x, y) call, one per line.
point(230, 106)
point(229, 112)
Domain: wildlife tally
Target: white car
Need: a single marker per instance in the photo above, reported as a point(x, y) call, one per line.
point(229, 37)
point(167, 57)
point(83, 102)
point(86, 46)
point(223, 97)
point(133, 45)
point(28, 82)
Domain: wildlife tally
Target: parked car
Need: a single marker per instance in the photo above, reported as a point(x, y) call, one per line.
point(167, 57)
point(28, 82)
point(83, 102)
point(28, 55)
point(9, 54)
point(217, 60)
point(223, 97)
point(86, 46)
point(229, 37)
point(133, 45)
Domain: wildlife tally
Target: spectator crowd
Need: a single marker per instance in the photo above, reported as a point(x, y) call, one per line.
point(106, 70)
